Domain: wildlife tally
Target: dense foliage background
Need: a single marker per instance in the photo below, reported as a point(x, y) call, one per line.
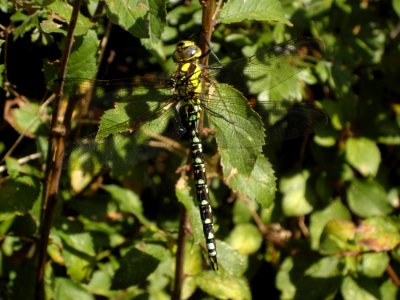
point(330, 232)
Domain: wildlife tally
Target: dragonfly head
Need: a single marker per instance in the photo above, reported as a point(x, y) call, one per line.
point(186, 51)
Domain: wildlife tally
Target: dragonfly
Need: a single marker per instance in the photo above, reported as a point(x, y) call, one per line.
point(193, 90)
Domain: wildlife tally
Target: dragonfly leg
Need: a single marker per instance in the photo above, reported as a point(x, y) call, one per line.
point(179, 127)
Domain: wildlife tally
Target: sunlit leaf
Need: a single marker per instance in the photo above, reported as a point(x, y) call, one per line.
point(318, 220)
point(368, 198)
point(262, 10)
point(359, 289)
point(337, 237)
point(245, 238)
point(364, 155)
point(68, 290)
point(223, 285)
point(378, 234)
point(295, 201)
point(374, 264)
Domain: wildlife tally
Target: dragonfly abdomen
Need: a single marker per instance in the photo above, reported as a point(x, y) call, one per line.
point(200, 182)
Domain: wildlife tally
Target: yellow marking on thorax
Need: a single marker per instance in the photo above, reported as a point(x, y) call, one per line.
point(190, 78)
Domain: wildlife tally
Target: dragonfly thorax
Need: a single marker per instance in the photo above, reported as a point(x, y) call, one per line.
point(185, 80)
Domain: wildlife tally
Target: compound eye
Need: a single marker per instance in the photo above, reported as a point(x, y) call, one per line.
point(189, 53)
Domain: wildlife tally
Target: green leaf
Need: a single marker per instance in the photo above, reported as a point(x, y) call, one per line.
point(302, 277)
point(113, 236)
point(245, 238)
point(29, 22)
point(78, 252)
point(18, 195)
point(130, 15)
point(137, 265)
point(295, 201)
point(396, 7)
point(2, 67)
point(100, 283)
point(318, 7)
point(84, 165)
point(68, 290)
point(378, 234)
point(189, 287)
point(389, 290)
point(363, 155)
point(239, 131)
point(186, 196)
point(157, 21)
point(374, 264)
point(49, 26)
point(142, 18)
point(193, 263)
point(359, 289)
point(318, 220)
point(141, 105)
point(262, 10)
point(6, 223)
point(223, 286)
point(13, 167)
point(284, 281)
point(122, 154)
point(83, 62)
point(64, 10)
point(128, 201)
point(260, 186)
point(368, 198)
point(326, 267)
point(230, 260)
point(27, 118)
point(337, 237)
point(10, 245)
point(242, 211)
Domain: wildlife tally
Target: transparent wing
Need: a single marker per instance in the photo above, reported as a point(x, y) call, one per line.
point(115, 117)
point(119, 105)
point(268, 67)
point(243, 128)
point(243, 124)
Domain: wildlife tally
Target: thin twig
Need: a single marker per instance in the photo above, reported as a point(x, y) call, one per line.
point(273, 233)
point(166, 143)
point(216, 12)
point(104, 41)
point(54, 159)
point(303, 226)
point(393, 275)
point(23, 160)
point(180, 256)
point(7, 31)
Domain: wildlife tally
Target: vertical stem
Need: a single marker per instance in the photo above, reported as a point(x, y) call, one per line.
point(54, 160)
point(208, 28)
point(180, 256)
